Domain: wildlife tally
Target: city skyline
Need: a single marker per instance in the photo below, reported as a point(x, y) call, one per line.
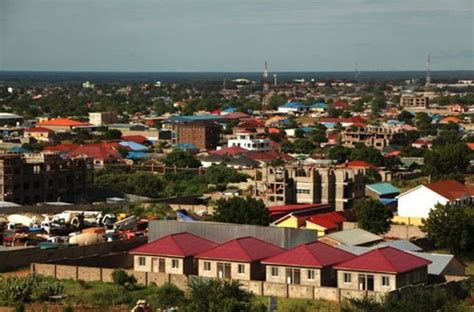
point(185, 36)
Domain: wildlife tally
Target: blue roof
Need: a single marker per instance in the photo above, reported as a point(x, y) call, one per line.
point(307, 129)
point(194, 118)
point(230, 110)
point(294, 105)
point(136, 147)
point(383, 188)
point(320, 105)
point(138, 155)
point(186, 146)
point(18, 149)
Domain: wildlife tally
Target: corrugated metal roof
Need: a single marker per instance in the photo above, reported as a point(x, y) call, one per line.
point(383, 188)
point(355, 237)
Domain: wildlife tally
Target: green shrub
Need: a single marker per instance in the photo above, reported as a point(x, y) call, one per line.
point(121, 278)
point(29, 288)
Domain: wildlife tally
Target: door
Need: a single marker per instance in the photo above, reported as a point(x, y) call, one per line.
point(293, 276)
point(361, 281)
point(223, 270)
point(161, 267)
point(154, 265)
point(370, 282)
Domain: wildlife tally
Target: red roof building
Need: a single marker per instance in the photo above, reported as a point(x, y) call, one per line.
point(277, 212)
point(383, 269)
point(140, 139)
point(268, 156)
point(451, 189)
point(307, 264)
point(360, 164)
point(65, 148)
point(171, 254)
point(233, 150)
point(237, 259)
point(62, 124)
point(101, 153)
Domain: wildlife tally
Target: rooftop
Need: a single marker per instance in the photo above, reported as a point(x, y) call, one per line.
point(355, 237)
point(179, 245)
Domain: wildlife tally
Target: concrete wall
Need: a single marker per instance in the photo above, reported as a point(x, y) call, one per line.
point(260, 288)
point(222, 232)
point(396, 230)
point(16, 258)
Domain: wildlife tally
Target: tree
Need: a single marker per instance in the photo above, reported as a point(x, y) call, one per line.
point(406, 117)
point(221, 174)
point(339, 153)
point(299, 133)
point(216, 295)
point(241, 210)
point(446, 160)
point(451, 227)
point(113, 134)
point(170, 296)
point(181, 159)
point(373, 216)
point(122, 278)
point(366, 153)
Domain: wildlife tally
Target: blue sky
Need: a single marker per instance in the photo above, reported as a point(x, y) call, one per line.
point(228, 35)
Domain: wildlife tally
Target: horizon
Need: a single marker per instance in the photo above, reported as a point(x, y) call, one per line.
point(235, 36)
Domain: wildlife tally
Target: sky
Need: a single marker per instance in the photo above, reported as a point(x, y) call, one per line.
point(228, 35)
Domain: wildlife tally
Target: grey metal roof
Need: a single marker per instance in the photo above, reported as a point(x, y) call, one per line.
point(439, 262)
point(401, 244)
point(355, 237)
point(356, 250)
point(5, 204)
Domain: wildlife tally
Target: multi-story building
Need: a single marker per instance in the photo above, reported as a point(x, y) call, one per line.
point(374, 136)
point(33, 178)
point(249, 141)
point(202, 134)
point(414, 101)
point(339, 187)
point(102, 118)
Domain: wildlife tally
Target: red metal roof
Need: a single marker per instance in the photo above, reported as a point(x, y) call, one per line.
point(243, 249)
point(268, 156)
point(233, 150)
point(61, 147)
point(314, 254)
point(135, 138)
point(285, 209)
point(101, 151)
point(450, 189)
point(177, 245)
point(384, 259)
point(39, 130)
point(360, 164)
point(329, 220)
point(63, 122)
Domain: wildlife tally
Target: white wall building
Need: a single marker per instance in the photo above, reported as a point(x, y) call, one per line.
point(250, 142)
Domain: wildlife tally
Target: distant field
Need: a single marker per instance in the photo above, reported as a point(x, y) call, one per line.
point(302, 305)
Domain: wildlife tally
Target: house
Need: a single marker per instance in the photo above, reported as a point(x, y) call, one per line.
point(308, 264)
point(248, 140)
point(298, 219)
point(450, 119)
point(326, 223)
point(293, 107)
point(63, 124)
point(282, 211)
point(318, 107)
point(173, 254)
point(237, 259)
point(417, 203)
point(40, 134)
point(353, 237)
point(101, 153)
point(383, 269)
point(381, 190)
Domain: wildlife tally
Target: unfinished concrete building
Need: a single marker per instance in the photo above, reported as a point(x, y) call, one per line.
point(374, 136)
point(339, 187)
point(34, 178)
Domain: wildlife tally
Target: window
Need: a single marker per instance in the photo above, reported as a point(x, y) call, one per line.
point(207, 266)
point(141, 261)
point(175, 264)
point(347, 278)
point(274, 271)
point(385, 281)
point(311, 275)
point(241, 269)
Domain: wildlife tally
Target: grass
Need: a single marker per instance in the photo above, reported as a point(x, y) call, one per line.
point(301, 305)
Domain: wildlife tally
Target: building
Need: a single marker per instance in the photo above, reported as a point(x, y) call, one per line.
point(415, 204)
point(202, 134)
point(414, 101)
point(8, 119)
point(237, 259)
point(293, 107)
point(36, 178)
point(172, 254)
point(249, 141)
point(339, 187)
point(102, 118)
point(62, 124)
point(374, 136)
point(353, 237)
point(383, 269)
point(39, 134)
point(308, 264)
point(381, 190)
